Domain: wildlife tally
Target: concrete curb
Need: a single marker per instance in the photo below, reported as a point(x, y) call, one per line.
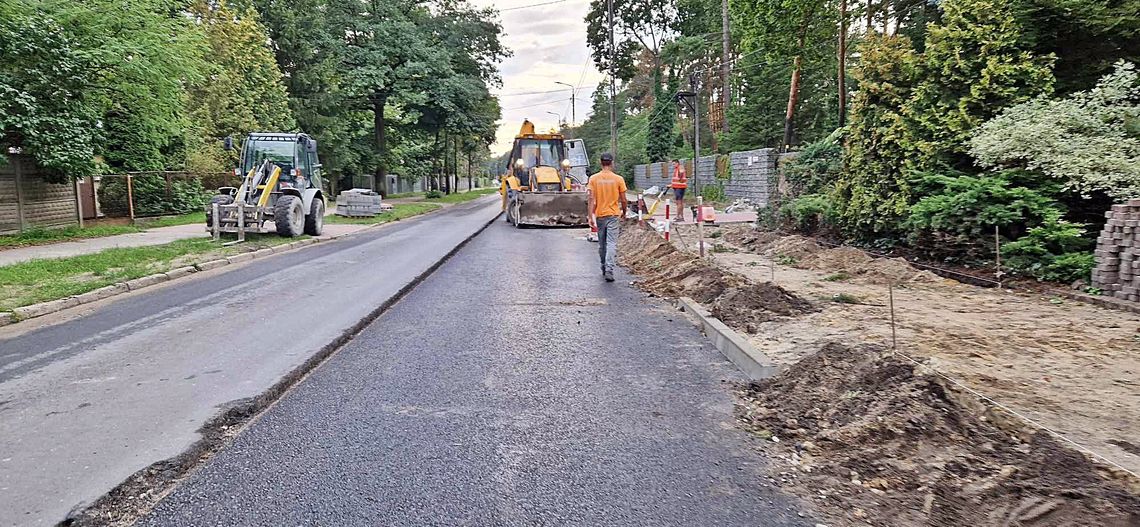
point(54, 306)
point(733, 346)
point(1106, 302)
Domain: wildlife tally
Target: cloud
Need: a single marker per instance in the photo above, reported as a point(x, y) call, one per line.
point(549, 44)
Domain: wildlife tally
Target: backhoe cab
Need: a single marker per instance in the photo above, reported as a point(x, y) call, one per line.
point(539, 188)
point(281, 183)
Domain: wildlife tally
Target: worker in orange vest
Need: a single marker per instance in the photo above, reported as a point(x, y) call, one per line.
point(679, 185)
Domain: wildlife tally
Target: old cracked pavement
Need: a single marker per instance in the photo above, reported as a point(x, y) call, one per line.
point(512, 387)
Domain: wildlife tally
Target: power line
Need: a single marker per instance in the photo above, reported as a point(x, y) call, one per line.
point(531, 5)
point(532, 93)
point(537, 104)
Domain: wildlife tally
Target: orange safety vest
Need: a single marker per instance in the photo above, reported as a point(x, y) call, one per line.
point(679, 179)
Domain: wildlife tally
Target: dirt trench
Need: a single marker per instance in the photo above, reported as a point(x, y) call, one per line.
point(868, 437)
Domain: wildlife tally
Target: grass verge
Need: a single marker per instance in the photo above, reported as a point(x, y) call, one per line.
point(37, 281)
point(399, 211)
point(48, 236)
point(170, 221)
point(460, 197)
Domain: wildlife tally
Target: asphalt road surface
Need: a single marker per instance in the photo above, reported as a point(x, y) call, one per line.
point(87, 402)
point(512, 387)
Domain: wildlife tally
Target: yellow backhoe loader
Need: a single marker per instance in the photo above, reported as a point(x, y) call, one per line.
point(539, 188)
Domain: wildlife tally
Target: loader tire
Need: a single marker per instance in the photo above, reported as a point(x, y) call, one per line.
point(289, 216)
point(315, 220)
point(220, 199)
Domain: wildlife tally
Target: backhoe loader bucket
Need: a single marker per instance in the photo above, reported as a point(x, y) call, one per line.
point(548, 209)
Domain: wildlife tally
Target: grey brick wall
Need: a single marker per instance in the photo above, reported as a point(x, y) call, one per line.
point(753, 174)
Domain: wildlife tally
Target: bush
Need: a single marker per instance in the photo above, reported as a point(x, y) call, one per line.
point(712, 193)
point(1084, 140)
point(816, 167)
point(1054, 251)
point(959, 212)
point(807, 214)
point(151, 196)
point(433, 194)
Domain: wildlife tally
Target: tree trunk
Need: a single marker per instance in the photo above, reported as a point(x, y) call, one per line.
point(842, 62)
point(379, 182)
point(434, 183)
point(446, 168)
point(793, 98)
point(470, 184)
point(870, 17)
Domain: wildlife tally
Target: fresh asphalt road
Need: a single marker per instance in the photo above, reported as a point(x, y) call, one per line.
point(512, 387)
point(87, 402)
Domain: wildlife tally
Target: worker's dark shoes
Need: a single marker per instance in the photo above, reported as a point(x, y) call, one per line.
point(609, 276)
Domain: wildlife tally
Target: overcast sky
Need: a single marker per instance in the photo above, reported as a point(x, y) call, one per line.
point(549, 44)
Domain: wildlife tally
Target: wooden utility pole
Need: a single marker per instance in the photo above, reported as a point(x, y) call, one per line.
point(842, 62)
point(613, 79)
point(725, 68)
point(694, 85)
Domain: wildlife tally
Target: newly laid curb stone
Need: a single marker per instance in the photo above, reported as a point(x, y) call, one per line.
point(146, 281)
point(43, 308)
point(101, 293)
point(731, 344)
point(212, 264)
point(175, 274)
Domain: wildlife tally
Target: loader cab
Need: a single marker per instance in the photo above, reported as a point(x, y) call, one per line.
point(531, 153)
point(296, 154)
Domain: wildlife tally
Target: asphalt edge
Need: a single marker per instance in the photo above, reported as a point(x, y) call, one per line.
point(23, 313)
point(144, 489)
point(754, 363)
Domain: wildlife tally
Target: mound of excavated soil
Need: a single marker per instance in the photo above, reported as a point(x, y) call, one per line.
point(805, 253)
point(666, 271)
point(873, 439)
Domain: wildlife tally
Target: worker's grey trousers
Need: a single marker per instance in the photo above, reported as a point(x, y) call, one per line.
point(608, 232)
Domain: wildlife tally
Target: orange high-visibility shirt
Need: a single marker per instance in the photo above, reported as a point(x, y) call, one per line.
point(608, 190)
point(680, 179)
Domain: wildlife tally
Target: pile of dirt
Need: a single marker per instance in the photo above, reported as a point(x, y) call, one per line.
point(667, 271)
point(871, 438)
point(805, 253)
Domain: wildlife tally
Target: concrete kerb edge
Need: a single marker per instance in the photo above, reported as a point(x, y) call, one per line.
point(54, 306)
point(222, 428)
point(731, 344)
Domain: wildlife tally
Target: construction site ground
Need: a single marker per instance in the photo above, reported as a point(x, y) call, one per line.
point(946, 430)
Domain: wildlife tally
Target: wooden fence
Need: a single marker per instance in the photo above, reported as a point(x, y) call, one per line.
point(27, 201)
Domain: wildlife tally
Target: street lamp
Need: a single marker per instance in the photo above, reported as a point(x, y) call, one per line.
point(561, 122)
point(689, 98)
point(573, 103)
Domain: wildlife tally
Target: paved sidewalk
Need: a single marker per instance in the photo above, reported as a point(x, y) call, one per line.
point(157, 236)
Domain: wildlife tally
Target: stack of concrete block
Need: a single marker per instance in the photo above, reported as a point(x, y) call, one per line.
point(1117, 272)
point(358, 202)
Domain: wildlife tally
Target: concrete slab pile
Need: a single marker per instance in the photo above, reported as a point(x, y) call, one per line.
point(1117, 272)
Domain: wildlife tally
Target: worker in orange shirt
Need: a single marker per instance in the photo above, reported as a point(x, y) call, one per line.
point(679, 184)
point(607, 206)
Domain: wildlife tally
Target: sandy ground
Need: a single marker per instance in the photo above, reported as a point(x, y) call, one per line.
point(1072, 367)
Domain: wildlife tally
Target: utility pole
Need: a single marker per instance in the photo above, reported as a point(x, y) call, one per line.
point(613, 79)
point(725, 69)
point(842, 62)
point(694, 86)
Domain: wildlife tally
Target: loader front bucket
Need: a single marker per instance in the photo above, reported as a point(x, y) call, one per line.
point(550, 209)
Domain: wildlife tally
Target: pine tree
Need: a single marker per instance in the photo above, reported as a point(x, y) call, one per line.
point(973, 67)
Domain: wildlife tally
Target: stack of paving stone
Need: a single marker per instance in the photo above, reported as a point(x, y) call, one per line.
point(358, 202)
point(1117, 271)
